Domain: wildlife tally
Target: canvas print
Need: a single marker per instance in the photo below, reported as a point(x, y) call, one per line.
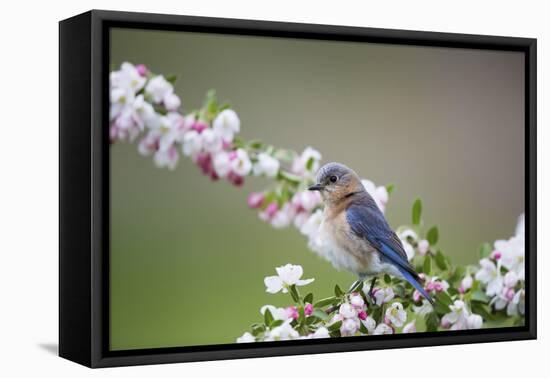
point(270, 189)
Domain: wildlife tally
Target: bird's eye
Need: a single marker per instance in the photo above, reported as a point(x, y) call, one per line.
point(333, 179)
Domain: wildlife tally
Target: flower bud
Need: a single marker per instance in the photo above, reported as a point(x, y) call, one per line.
point(308, 309)
point(142, 69)
point(255, 200)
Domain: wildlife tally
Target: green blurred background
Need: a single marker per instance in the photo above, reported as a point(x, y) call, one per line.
point(188, 257)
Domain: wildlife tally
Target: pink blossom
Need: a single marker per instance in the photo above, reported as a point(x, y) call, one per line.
point(204, 161)
point(362, 315)
point(199, 126)
point(496, 255)
point(292, 312)
point(149, 144)
point(308, 309)
point(255, 200)
point(235, 179)
point(271, 209)
point(142, 69)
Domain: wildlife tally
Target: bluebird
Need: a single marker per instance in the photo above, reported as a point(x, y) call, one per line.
point(355, 233)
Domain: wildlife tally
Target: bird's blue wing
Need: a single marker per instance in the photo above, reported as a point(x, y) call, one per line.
point(367, 222)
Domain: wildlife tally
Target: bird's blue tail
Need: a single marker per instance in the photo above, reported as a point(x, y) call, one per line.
point(409, 277)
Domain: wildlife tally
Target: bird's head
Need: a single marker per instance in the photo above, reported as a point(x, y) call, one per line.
point(335, 182)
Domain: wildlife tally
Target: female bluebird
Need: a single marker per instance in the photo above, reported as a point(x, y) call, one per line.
point(354, 231)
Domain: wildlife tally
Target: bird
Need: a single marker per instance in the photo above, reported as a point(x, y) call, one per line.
point(354, 232)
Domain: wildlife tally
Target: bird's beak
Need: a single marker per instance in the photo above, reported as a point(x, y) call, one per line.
point(318, 187)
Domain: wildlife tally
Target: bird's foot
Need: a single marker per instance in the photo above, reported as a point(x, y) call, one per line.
point(371, 290)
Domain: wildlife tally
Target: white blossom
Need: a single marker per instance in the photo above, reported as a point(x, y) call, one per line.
point(192, 143)
point(423, 247)
point(171, 101)
point(127, 77)
point(283, 217)
point(466, 283)
point(282, 332)
point(382, 295)
point(404, 235)
point(287, 275)
point(222, 163)
point(410, 327)
point(320, 333)
point(370, 324)
point(357, 301)
point(474, 321)
point(460, 317)
point(513, 254)
point(347, 311)
point(241, 163)
point(490, 274)
point(266, 165)
point(166, 158)
point(246, 338)
point(396, 314)
point(211, 142)
point(383, 329)
point(379, 194)
point(278, 313)
point(158, 88)
point(349, 326)
point(227, 124)
point(307, 163)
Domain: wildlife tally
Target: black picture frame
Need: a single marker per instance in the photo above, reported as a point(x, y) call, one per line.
point(84, 187)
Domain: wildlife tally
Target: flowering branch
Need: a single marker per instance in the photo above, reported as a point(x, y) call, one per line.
point(144, 107)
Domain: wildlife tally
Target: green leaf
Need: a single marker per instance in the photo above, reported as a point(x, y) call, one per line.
point(480, 296)
point(268, 317)
point(326, 302)
point(363, 329)
point(255, 144)
point(432, 322)
point(335, 326)
point(294, 293)
point(387, 279)
point(238, 142)
point(282, 175)
point(171, 79)
point(427, 267)
point(452, 291)
point(417, 212)
point(390, 188)
point(308, 298)
point(276, 323)
point(399, 291)
point(312, 320)
point(337, 291)
point(440, 308)
point(309, 164)
point(485, 250)
point(301, 314)
point(433, 235)
point(440, 260)
point(444, 298)
point(481, 309)
point(257, 329)
point(457, 275)
point(320, 314)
